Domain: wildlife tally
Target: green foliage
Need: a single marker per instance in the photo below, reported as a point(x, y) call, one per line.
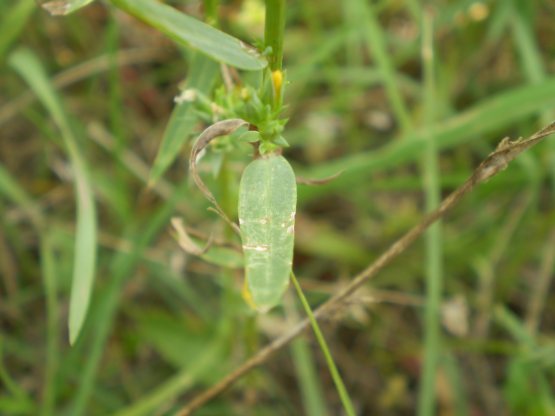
point(349, 85)
point(85, 235)
point(13, 23)
point(267, 207)
point(191, 32)
point(181, 124)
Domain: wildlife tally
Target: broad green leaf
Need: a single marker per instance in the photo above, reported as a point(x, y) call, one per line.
point(202, 75)
point(64, 7)
point(28, 66)
point(194, 33)
point(267, 205)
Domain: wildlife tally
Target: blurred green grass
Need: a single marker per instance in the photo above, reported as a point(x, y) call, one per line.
point(164, 325)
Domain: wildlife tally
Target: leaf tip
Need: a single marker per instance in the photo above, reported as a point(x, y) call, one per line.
point(74, 331)
point(56, 8)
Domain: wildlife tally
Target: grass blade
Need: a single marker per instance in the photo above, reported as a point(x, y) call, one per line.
point(493, 113)
point(194, 33)
point(374, 38)
point(14, 192)
point(309, 381)
point(182, 121)
point(12, 24)
point(338, 381)
point(28, 66)
point(122, 267)
point(174, 386)
point(434, 240)
point(52, 311)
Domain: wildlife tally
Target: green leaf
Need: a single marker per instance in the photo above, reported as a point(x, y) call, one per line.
point(280, 141)
point(28, 66)
point(482, 118)
point(13, 23)
point(11, 190)
point(64, 7)
point(249, 137)
point(194, 33)
point(267, 205)
point(183, 118)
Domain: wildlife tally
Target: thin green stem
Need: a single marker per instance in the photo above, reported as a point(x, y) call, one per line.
point(338, 381)
point(273, 32)
point(211, 12)
point(52, 312)
point(434, 266)
point(376, 43)
point(309, 382)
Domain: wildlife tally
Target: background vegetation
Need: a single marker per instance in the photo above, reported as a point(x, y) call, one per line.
point(404, 127)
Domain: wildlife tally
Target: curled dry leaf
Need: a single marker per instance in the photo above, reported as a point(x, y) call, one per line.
point(185, 241)
point(221, 128)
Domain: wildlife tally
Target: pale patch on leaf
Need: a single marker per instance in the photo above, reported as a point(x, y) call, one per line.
point(64, 7)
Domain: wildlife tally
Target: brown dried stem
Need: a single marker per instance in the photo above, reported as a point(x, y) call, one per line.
point(497, 161)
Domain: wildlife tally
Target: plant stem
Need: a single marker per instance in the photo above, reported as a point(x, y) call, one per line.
point(338, 381)
point(273, 32)
point(489, 168)
point(377, 46)
point(434, 254)
point(211, 12)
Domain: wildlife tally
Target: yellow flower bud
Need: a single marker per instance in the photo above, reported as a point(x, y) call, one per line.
point(277, 79)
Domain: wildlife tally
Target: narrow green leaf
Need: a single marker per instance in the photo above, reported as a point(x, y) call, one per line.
point(13, 23)
point(484, 117)
point(141, 233)
point(202, 75)
point(10, 189)
point(194, 33)
point(249, 137)
point(267, 205)
point(64, 7)
point(49, 274)
point(28, 66)
point(335, 375)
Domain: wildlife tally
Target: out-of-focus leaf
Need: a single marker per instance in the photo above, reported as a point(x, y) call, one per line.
point(202, 74)
point(482, 118)
point(192, 32)
point(28, 66)
point(10, 189)
point(13, 23)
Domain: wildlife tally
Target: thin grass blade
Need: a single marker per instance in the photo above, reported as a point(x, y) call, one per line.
point(31, 70)
point(338, 381)
point(484, 117)
point(13, 23)
point(202, 75)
